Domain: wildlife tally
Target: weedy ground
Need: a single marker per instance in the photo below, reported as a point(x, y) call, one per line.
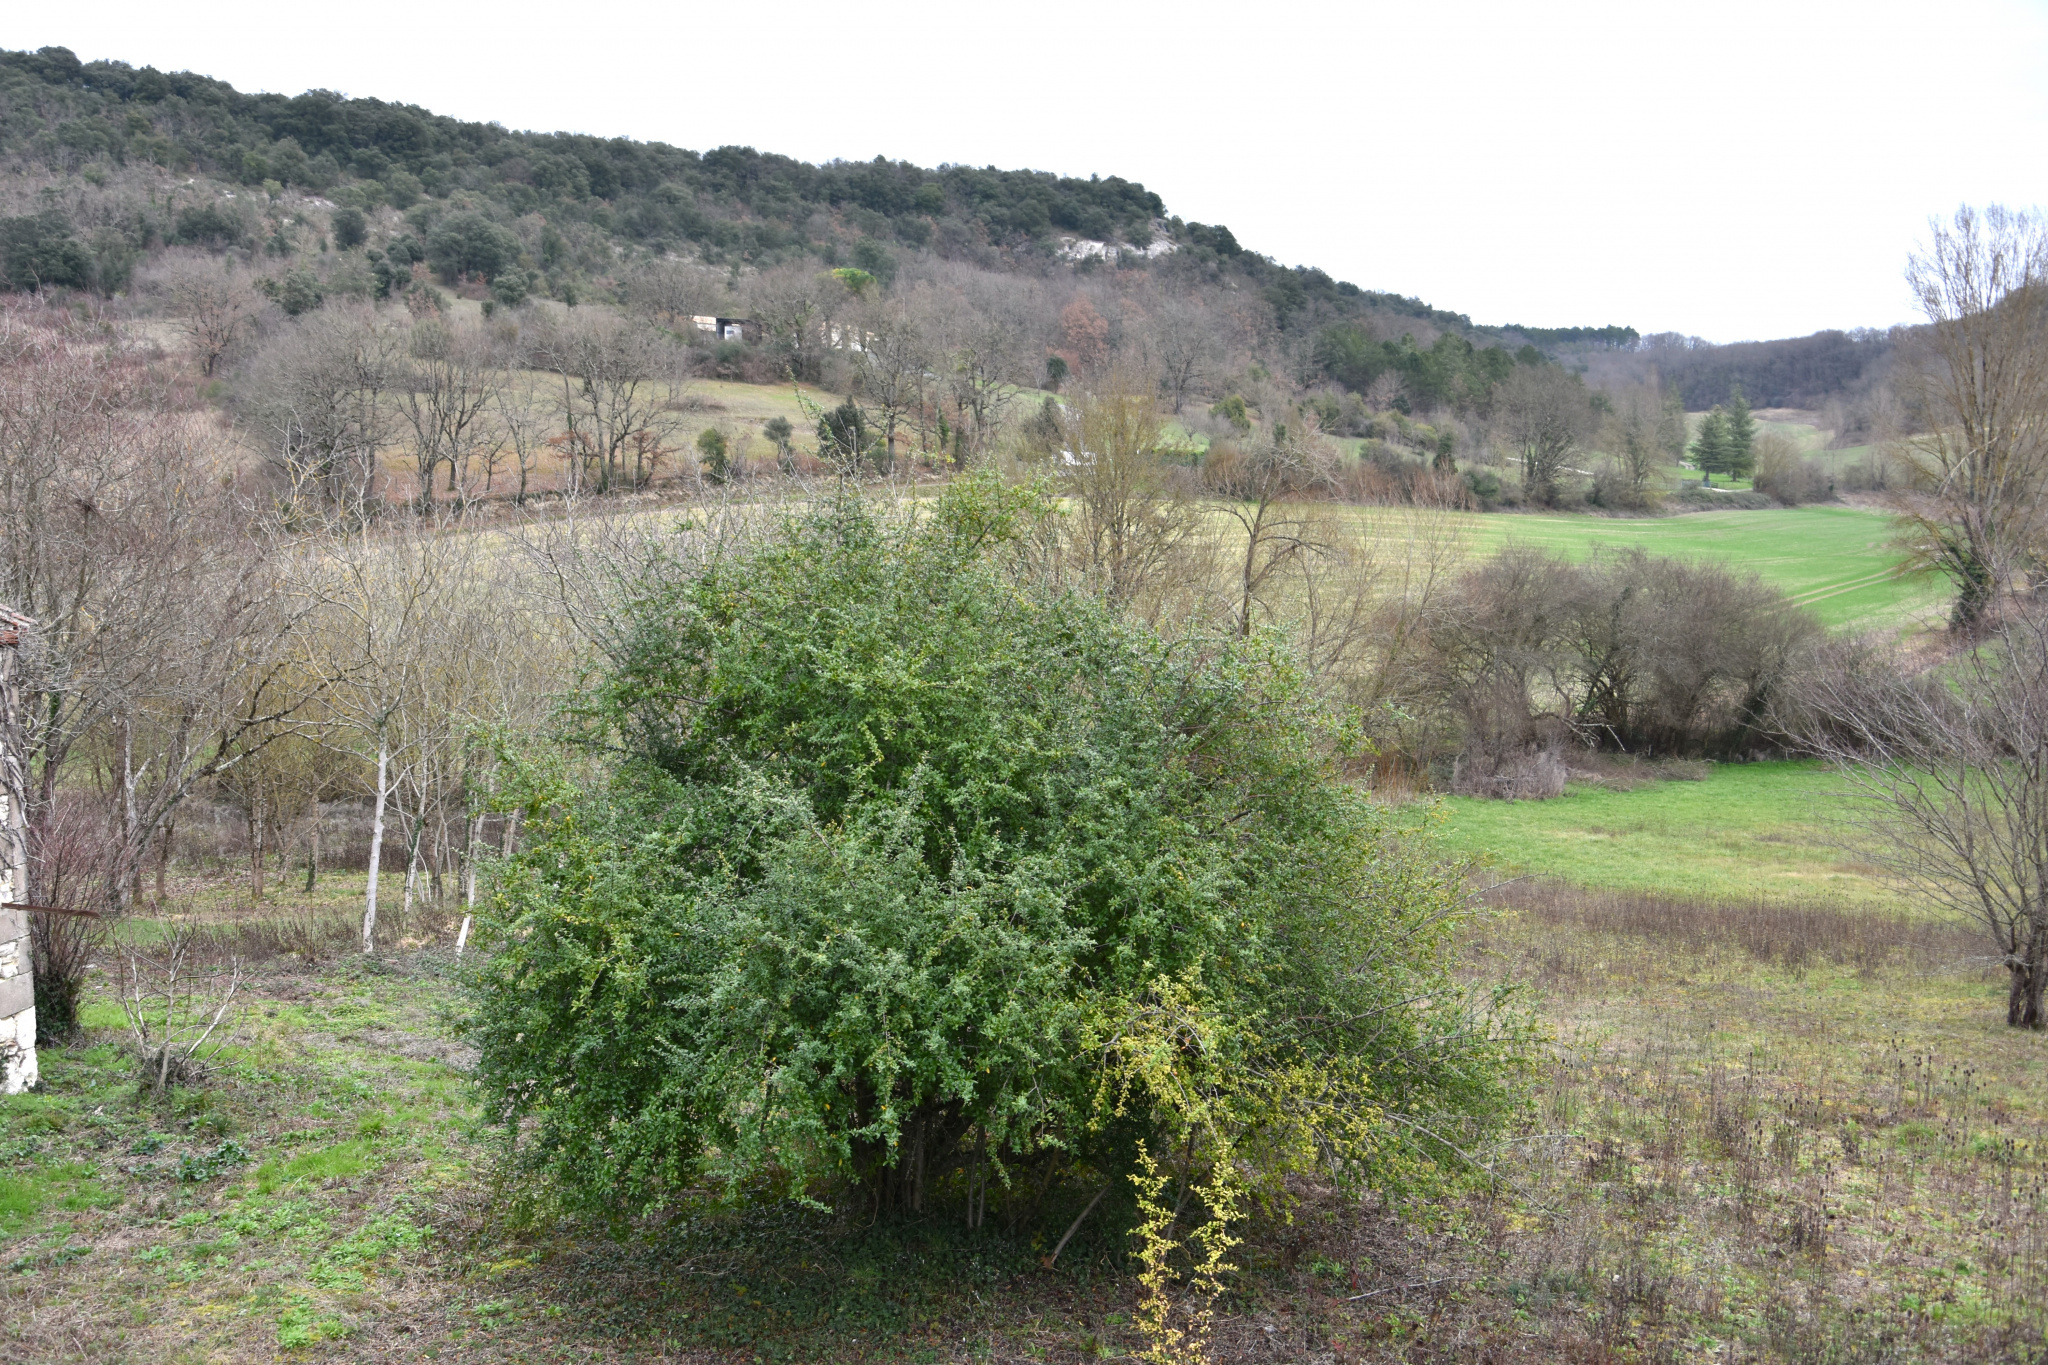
point(1764, 1130)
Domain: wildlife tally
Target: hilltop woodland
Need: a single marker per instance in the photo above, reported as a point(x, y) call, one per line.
point(936, 746)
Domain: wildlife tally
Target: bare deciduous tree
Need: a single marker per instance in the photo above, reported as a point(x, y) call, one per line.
point(1545, 413)
point(321, 394)
point(890, 370)
point(1980, 388)
point(1186, 343)
point(790, 305)
point(176, 998)
point(1134, 515)
point(213, 305)
point(1949, 768)
point(981, 341)
point(158, 622)
point(1634, 435)
point(1417, 552)
point(674, 292)
point(524, 423)
point(1267, 486)
point(446, 390)
point(425, 645)
point(1630, 652)
point(373, 633)
point(617, 383)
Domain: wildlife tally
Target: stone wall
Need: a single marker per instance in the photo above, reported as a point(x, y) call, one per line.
point(17, 1003)
point(17, 985)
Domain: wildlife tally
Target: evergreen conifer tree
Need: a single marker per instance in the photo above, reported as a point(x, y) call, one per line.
point(1741, 428)
point(1710, 447)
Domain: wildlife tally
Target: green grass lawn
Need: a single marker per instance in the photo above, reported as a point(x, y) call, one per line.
point(1837, 560)
point(1749, 829)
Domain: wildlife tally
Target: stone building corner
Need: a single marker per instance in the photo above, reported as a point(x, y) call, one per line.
point(18, 1071)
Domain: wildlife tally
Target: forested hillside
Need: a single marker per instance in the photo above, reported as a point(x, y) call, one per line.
point(120, 179)
point(730, 205)
point(89, 143)
point(1798, 372)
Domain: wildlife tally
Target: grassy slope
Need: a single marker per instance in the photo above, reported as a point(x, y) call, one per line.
point(1753, 829)
point(1836, 560)
point(1748, 830)
point(742, 409)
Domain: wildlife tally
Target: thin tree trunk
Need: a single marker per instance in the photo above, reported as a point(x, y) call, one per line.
point(1075, 1226)
point(412, 875)
point(163, 1068)
point(977, 1183)
point(1251, 556)
point(131, 890)
point(376, 846)
point(476, 833)
point(313, 850)
point(163, 858)
point(437, 861)
point(256, 850)
point(2029, 976)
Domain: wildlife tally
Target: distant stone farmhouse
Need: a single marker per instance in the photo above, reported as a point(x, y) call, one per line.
point(17, 984)
point(728, 329)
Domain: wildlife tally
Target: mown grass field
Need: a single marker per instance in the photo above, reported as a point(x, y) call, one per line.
point(1747, 830)
point(1773, 830)
point(1839, 561)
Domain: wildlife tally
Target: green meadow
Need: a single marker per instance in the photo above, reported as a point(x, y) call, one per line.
point(1767, 830)
point(1839, 561)
point(1745, 831)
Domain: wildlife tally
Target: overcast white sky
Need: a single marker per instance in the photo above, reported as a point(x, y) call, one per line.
point(1747, 169)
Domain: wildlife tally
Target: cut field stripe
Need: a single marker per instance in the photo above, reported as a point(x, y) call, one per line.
point(1836, 590)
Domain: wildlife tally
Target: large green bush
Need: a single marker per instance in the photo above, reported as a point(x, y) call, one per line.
point(914, 876)
point(37, 251)
point(471, 244)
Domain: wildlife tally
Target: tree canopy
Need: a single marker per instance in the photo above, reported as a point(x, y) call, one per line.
point(471, 244)
point(62, 111)
point(726, 205)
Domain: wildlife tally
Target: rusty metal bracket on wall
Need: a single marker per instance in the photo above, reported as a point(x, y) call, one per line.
point(50, 909)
